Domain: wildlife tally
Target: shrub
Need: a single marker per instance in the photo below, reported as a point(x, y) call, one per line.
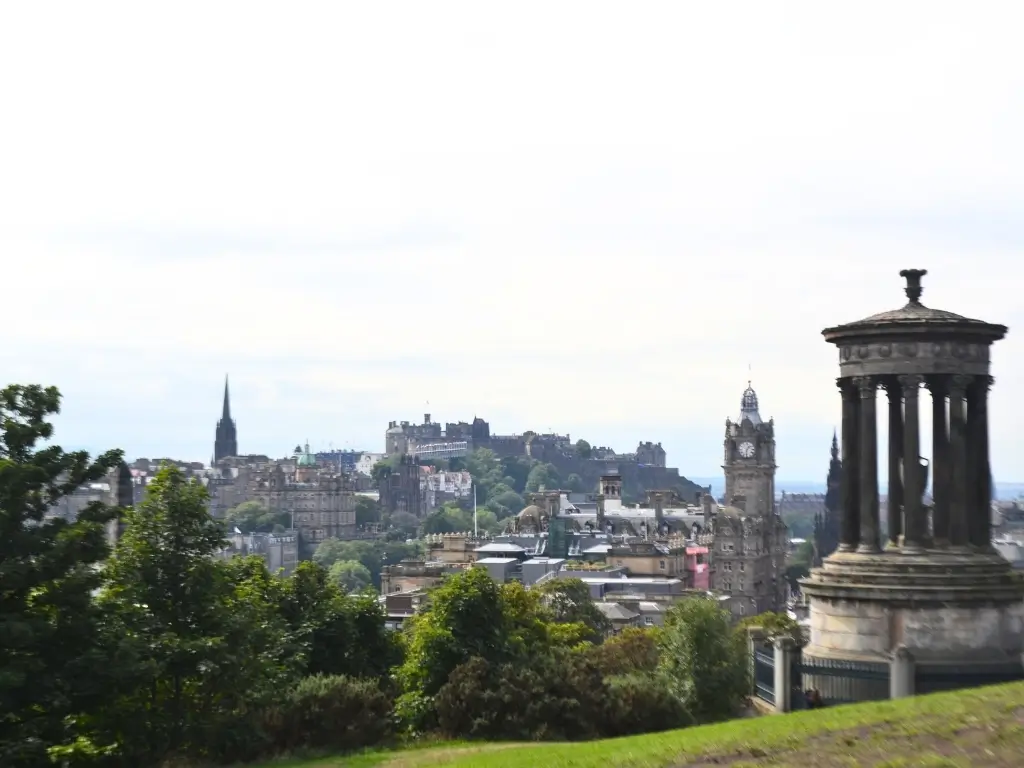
point(326, 712)
point(642, 703)
point(553, 697)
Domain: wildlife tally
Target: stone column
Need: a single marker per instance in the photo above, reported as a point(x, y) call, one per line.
point(979, 521)
point(867, 387)
point(940, 461)
point(755, 639)
point(915, 530)
point(901, 674)
point(784, 647)
point(897, 483)
point(849, 533)
point(959, 496)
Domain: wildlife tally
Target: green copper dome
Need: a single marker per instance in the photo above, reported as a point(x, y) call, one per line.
point(306, 459)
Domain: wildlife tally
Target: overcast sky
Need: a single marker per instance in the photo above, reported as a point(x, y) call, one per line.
point(588, 217)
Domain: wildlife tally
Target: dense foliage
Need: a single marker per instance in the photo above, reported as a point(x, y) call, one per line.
point(161, 650)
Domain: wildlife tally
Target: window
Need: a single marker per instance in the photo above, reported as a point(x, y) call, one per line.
point(661, 565)
point(649, 621)
point(742, 566)
point(743, 610)
point(726, 566)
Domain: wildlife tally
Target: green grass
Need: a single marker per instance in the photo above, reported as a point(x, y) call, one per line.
point(979, 727)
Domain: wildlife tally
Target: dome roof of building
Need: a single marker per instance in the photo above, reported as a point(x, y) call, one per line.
point(914, 312)
point(307, 459)
point(531, 511)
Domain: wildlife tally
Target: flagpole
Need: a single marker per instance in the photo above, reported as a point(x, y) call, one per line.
point(475, 532)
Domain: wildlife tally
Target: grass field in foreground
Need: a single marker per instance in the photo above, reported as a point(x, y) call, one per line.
point(979, 727)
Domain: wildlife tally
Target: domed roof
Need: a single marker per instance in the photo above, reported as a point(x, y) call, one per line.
point(307, 459)
point(914, 312)
point(531, 511)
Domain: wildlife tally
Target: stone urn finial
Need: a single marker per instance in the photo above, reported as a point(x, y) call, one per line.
point(913, 289)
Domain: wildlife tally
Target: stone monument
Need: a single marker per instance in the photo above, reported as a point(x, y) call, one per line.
point(936, 588)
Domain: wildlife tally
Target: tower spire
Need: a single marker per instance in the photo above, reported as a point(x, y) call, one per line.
point(835, 445)
point(227, 400)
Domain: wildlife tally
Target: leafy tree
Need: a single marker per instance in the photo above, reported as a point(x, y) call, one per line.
point(350, 575)
point(253, 517)
point(508, 502)
point(583, 449)
point(542, 475)
point(405, 523)
point(49, 628)
point(384, 467)
point(515, 470)
point(367, 511)
point(574, 483)
point(339, 634)
point(632, 651)
point(201, 642)
point(570, 602)
point(703, 661)
point(773, 624)
point(448, 520)
point(372, 554)
point(487, 521)
point(553, 695)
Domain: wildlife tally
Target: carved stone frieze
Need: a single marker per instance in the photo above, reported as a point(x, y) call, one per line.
point(906, 356)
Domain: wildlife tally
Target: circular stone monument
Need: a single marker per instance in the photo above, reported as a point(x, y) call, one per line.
point(935, 585)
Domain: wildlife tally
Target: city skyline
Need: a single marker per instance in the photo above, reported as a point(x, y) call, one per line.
point(385, 213)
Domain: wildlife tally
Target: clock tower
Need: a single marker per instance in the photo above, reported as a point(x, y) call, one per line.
point(750, 459)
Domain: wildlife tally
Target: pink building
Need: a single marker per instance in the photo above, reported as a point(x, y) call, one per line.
point(697, 565)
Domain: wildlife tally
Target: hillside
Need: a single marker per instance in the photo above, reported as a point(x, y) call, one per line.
point(980, 727)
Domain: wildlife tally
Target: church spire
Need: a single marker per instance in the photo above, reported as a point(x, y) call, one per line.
point(226, 442)
point(226, 415)
point(835, 446)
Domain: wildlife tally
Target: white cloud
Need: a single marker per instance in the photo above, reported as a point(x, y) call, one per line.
point(570, 215)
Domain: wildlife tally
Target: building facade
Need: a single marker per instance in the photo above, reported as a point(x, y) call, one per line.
point(748, 551)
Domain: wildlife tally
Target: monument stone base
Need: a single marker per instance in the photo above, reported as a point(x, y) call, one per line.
point(945, 608)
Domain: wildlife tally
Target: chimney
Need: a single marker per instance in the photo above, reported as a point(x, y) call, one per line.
point(426, 418)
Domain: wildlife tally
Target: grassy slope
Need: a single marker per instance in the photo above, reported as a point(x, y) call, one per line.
point(981, 727)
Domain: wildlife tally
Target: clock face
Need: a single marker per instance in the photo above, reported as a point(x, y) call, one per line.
point(746, 450)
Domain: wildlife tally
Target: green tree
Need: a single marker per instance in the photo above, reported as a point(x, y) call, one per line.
point(372, 554)
point(384, 467)
point(448, 519)
point(405, 523)
point(583, 449)
point(508, 502)
point(574, 483)
point(201, 640)
point(253, 517)
point(570, 602)
point(49, 627)
point(470, 616)
point(632, 651)
point(515, 470)
point(702, 659)
point(542, 475)
point(339, 634)
point(350, 575)
point(773, 624)
point(367, 511)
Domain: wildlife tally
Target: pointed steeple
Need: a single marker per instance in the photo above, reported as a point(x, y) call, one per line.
point(226, 442)
point(835, 446)
point(226, 415)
